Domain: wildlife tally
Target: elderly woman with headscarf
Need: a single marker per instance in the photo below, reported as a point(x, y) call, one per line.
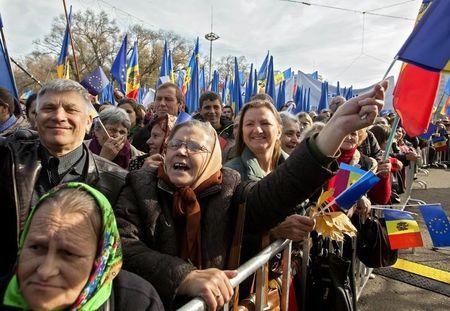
point(177, 221)
point(70, 257)
point(159, 128)
point(381, 192)
point(113, 144)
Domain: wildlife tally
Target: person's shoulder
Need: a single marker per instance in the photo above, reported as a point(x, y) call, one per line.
point(131, 292)
point(235, 163)
point(143, 177)
point(231, 175)
point(105, 166)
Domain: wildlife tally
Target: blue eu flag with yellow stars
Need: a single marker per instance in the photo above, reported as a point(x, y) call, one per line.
point(95, 82)
point(437, 224)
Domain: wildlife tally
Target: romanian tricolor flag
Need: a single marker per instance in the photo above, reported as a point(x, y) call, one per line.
point(440, 143)
point(62, 67)
point(193, 62)
point(403, 231)
point(133, 78)
point(427, 53)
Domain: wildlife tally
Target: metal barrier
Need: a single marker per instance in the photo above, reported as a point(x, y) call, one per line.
point(257, 264)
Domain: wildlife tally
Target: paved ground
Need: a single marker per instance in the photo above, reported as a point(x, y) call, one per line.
point(386, 294)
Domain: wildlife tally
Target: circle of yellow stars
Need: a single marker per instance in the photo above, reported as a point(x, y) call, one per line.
point(434, 222)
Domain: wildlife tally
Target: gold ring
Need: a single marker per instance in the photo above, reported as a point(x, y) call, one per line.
point(217, 294)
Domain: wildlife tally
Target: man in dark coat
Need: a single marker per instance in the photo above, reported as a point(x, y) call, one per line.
point(32, 165)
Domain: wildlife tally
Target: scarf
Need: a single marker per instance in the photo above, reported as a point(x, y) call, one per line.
point(106, 265)
point(346, 156)
point(122, 159)
point(185, 204)
point(8, 123)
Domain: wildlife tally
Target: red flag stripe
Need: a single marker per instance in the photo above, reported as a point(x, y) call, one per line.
point(405, 240)
point(414, 95)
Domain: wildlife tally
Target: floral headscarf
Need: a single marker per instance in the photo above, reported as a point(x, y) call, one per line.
point(106, 265)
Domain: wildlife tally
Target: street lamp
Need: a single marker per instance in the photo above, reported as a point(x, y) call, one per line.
point(211, 37)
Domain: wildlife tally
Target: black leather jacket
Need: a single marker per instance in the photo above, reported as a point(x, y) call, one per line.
point(19, 171)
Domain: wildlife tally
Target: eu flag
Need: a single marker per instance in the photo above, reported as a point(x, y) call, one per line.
point(437, 224)
point(6, 74)
point(263, 70)
point(95, 82)
point(119, 66)
point(270, 81)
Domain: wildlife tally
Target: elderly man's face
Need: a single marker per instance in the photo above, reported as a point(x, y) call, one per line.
point(57, 258)
point(62, 120)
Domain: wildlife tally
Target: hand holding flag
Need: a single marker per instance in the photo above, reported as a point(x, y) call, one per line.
point(348, 118)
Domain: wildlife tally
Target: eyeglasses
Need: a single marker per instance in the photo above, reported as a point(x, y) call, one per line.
point(113, 131)
point(191, 146)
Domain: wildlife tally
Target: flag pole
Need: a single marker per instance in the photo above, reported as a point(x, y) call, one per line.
point(396, 121)
point(77, 72)
point(439, 107)
point(26, 71)
point(5, 48)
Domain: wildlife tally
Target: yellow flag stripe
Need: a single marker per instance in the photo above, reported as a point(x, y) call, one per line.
point(395, 226)
point(428, 272)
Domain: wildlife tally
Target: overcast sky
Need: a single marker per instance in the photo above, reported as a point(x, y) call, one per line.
point(302, 37)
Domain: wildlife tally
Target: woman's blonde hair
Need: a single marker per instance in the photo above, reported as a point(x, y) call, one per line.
point(240, 144)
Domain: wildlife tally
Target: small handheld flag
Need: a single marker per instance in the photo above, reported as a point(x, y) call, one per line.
point(183, 117)
point(95, 82)
point(403, 231)
point(345, 177)
point(437, 224)
point(347, 198)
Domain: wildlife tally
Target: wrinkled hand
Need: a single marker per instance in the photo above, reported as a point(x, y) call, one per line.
point(363, 207)
point(399, 165)
point(153, 160)
point(213, 285)
point(357, 113)
point(384, 169)
point(294, 227)
point(112, 147)
point(412, 156)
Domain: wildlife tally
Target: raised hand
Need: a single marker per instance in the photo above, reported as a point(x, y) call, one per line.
point(112, 147)
point(357, 113)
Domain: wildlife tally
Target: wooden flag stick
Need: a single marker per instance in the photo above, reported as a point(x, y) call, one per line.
point(77, 72)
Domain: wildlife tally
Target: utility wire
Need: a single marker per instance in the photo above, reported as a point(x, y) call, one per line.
point(390, 6)
point(350, 10)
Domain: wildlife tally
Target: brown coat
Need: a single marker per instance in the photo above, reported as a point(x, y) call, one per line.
point(149, 233)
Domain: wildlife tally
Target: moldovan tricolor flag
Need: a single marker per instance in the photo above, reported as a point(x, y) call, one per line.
point(427, 52)
point(133, 80)
point(403, 231)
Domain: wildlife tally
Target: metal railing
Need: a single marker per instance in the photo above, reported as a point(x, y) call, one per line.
point(257, 264)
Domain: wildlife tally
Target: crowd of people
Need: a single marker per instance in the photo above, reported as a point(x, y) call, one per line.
point(137, 210)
